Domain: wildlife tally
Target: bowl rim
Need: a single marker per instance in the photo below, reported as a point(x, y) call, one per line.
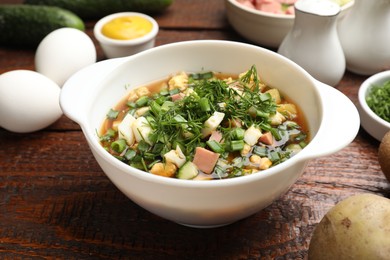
point(375, 79)
point(273, 15)
point(136, 41)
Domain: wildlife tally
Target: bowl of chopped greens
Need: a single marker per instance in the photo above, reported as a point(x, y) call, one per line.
point(374, 104)
point(205, 133)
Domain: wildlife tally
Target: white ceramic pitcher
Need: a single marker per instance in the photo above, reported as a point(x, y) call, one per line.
point(313, 41)
point(365, 36)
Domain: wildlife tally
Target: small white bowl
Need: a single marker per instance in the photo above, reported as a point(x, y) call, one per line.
point(371, 122)
point(88, 94)
point(263, 28)
point(114, 48)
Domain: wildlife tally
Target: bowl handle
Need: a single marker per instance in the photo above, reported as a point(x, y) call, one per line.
point(339, 126)
point(80, 84)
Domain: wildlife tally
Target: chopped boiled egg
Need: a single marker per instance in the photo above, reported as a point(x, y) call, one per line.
point(142, 129)
point(125, 130)
point(141, 111)
point(176, 157)
point(252, 135)
point(212, 123)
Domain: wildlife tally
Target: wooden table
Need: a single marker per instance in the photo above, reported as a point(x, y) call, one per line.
point(55, 201)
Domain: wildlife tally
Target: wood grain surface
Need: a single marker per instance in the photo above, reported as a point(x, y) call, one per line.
point(56, 203)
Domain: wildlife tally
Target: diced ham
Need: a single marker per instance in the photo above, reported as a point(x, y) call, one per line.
point(264, 1)
point(216, 136)
point(266, 138)
point(178, 96)
point(205, 160)
point(270, 7)
point(287, 2)
point(247, 3)
point(235, 122)
point(290, 10)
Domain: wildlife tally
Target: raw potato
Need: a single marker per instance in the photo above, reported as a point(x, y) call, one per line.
point(356, 228)
point(384, 155)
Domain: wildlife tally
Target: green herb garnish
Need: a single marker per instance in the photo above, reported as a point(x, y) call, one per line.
point(112, 114)
point(378, 99)
point(186, 123)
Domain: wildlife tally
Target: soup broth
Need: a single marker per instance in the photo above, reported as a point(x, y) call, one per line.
point(205, 126)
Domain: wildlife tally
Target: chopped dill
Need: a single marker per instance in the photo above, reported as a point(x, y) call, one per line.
point(243, 102)
point(378, 99)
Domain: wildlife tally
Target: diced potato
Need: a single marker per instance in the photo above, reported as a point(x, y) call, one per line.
point(228, 80)
point(142, 91)
point(247, 148)
point(132, 96)
point(275, 95)
point(251, 83)
point(164, 169)
point(288, 109)
point(265, 163)
point(179, 81)
point(277, 119)
point(255, 158)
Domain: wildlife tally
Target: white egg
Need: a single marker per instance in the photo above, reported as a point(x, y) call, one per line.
point(29, 101)
point(63, 52)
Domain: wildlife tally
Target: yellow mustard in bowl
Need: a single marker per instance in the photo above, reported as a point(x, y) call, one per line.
point(127, 28)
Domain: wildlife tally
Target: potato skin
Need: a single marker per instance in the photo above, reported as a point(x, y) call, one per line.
point(384, 155)
point(355, 228)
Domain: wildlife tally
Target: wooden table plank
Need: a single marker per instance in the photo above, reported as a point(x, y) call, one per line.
point(55, 201)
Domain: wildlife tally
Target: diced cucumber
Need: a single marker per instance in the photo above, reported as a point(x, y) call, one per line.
point(188, 171)
point(293, 148)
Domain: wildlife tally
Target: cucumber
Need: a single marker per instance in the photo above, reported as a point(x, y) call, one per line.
point(27, 25)
point(294, 148)
point(188, 171)
point(87, 9)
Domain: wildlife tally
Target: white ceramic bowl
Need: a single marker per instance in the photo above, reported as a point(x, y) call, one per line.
point(87, 96)
point(371, 122)
point(113, 48)
point(263, 28)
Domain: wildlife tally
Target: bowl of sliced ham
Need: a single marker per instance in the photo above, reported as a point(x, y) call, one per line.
point(267, 22)
point(205, 133)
